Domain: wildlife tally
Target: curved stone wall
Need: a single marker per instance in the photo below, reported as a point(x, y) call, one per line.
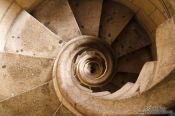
point(150, 13)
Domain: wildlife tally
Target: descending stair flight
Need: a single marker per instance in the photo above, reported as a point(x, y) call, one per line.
point(81, 57)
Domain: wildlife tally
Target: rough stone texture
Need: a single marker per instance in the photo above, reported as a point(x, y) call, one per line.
point(27, 30)
point(88, 15)
point(63, 111)
point(145, 92)
point(135, 59)
point(113, 20)
point(171, 7)
point(41, 101)
point(61, 20)
point(145, 5)
point(161, 77)
point(28, 4)
point(19, 74)
point(131, 39)
point(165, 40)
point(145, 9)
point(9, 13)
point(121, 79)
point(156, 14)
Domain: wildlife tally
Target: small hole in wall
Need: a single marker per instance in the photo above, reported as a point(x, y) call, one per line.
point(4, 66)
point(76, 4)
point(61, 41)
point(109, 35)
point(82, 26)
point(122, 46)
point(109, 19)
point(46, 23)
point(122, 82)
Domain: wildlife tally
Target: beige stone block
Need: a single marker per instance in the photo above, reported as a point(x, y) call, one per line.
point(159, 6)
point(6, 22)
point(146, 22)
point(171, 7)
point(129, 4)
point(28, 4)
point(145, 5)
point(157, 17)
point(4, 5)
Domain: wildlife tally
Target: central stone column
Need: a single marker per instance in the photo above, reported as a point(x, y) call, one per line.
point(85, 61)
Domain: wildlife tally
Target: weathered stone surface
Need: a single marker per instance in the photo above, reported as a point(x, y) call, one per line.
point(58, 17)
point(145, 93)
point(8, 15)
point(156, 78)
point(131, 39)
point(41, 101)
point(113, 20)
point(134, 61)
point(19, 74)
point(27, 36)
point(88, 15)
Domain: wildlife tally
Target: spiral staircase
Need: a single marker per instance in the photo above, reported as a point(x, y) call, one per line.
point(82, 57)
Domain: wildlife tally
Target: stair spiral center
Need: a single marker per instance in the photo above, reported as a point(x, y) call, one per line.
point(86, 60)
point(91, 67)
